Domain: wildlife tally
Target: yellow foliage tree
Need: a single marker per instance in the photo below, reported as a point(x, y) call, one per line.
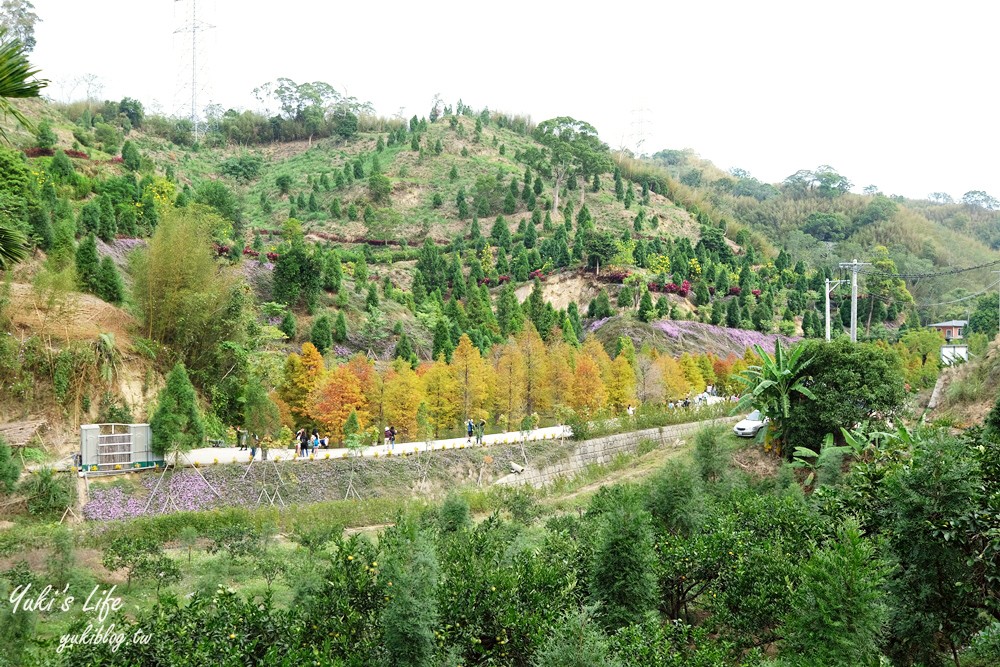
point(648, 377)
point(621, 384)
point(560, 372)
point(508, 390)
point(442, 395)
point(403, 393)
point(295, 388)
point(592, 348)
point(537, 389)
point(707, 367)
point(375, 398)
point(587, 395)
point(692, 373)
point(675, 386)
point(472, 374)
point(312, 364)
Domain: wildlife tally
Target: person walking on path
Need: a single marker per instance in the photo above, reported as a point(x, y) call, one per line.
point(392, 437)
point(480, 431)
point(469, 428)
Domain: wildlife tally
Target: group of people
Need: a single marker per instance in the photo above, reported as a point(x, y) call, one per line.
point(306, 444)
point(475, 430)
point(246, 440)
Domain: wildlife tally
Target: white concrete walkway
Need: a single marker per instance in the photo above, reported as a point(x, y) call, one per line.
point(212, 455)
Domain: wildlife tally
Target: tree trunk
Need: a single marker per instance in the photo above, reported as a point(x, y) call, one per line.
point(557, 185)
point(583, 192)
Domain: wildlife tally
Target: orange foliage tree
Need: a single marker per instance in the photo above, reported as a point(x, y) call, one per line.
point(334, 399)
point(299, 378)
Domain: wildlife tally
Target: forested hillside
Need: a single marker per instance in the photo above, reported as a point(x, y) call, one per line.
point(322, 269)
point(324, 223)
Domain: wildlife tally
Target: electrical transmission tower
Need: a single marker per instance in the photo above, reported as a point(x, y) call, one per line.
point(639, 128)
point(192, 25)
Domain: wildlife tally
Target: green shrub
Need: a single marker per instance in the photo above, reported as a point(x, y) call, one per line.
point(48, 493)
point(577, 641)
point(454, 513)
point(711, 453)
point(622, 572)
point(10, 470)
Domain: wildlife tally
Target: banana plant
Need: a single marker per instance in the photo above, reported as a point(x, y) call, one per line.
point(771, 384)
point(828, 458)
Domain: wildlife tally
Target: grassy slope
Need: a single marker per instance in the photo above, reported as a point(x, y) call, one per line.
point(33, 542)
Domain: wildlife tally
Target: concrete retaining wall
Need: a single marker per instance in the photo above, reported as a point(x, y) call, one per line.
point(603, 450)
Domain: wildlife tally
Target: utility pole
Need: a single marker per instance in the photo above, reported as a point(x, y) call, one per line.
point(830, 286)
point(855, 266)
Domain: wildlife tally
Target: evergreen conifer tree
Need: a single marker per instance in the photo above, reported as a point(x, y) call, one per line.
point(647, 312)
point(509, 204)
point(371, 300)
point(288, 325)
point(404, 350)
point(733, 315)
point(360, 274)
point(442, 340)
point(109, 285)
point(321, 334)
point(87, 264)
point(663, 307)
point(622, 572)
point(177, 424)
point(600, 307)
point(530, 236)
point(10, 471)
point(509, 315)
point(130, 156)
point(340, 328)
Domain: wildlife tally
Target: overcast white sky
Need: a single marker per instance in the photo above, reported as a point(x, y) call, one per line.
point(897, 94)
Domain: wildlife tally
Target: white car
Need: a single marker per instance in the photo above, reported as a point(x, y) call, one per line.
point(747, 428)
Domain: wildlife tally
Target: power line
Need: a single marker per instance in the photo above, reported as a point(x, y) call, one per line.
point(933, 274)
point(964, 298)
